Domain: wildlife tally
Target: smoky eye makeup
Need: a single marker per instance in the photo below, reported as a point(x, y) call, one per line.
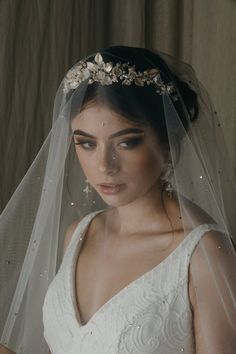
point(85, 143)
point(128, 143)
point(131, 142)
point(124, 142)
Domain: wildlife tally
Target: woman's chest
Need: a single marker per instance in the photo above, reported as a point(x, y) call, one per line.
point(104, 270)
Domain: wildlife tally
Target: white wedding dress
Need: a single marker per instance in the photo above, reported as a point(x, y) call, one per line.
point(151, 315)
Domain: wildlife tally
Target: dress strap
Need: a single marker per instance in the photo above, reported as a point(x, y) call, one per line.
point(80, 230)
point(197, 234)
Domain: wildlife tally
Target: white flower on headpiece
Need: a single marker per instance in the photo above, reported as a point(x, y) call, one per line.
point(100, 75)
point(132, 74)
point(117, 70)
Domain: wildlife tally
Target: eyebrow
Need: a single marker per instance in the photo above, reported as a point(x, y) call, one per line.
point(119, 133)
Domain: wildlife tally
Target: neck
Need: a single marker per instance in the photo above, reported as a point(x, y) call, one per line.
point(148, 213)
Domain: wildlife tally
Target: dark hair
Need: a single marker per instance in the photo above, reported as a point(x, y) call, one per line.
point(142, 104)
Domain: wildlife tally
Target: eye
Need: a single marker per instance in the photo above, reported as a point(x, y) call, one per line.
point(86, 145)
point(131, 143)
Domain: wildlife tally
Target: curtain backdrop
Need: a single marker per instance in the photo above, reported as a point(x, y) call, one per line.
point(41, 39)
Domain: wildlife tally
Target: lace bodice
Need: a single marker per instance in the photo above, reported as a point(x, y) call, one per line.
point(151, 315)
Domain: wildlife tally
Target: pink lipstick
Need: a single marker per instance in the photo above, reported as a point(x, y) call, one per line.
point(111, 188)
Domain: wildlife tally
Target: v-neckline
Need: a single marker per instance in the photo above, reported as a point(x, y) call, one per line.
point(125, 288)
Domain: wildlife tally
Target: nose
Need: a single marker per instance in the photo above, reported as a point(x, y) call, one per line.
point(108, 161)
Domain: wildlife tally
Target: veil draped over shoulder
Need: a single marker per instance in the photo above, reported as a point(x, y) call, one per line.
point(54, 192)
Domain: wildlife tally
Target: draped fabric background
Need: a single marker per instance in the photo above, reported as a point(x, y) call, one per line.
point(41, 39)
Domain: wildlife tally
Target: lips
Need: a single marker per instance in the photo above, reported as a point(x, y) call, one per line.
point(111, 188)
point(109, 184)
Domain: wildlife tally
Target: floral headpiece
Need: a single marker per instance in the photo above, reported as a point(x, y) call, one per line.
point(108, 73)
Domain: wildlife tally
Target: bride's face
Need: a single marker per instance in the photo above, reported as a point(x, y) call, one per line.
point(121, 159)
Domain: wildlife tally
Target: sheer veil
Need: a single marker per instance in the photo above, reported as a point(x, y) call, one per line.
point(53, 194)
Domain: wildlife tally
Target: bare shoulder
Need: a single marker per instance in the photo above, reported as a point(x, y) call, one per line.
point(211, 280)
point(5, 350)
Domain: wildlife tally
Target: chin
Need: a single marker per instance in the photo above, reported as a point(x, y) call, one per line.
point(118, 201)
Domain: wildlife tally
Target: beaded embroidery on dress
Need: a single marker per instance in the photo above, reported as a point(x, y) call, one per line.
point(151, 315)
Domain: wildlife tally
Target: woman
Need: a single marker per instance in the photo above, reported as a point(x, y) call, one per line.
point(148, 263)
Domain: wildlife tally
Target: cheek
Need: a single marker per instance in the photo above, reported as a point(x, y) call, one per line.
point(86, 162)
point(145, 162)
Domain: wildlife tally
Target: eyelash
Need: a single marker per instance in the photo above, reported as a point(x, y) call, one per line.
point(134, 142)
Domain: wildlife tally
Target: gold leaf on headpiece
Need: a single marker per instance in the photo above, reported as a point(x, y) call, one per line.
point(138, 81)
point(86, 74)
point(74, 84)
point(151, 73)
point(90, 65)
point(108, 67)
point(98, 59)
